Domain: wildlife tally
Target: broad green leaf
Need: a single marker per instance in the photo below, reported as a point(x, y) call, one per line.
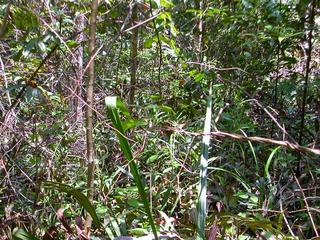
point(165, 39)
point(138, 232)
point(72, 43)
point(199, 77)
point(152, 158)
point(22, 234)
point(127, 124)
point(218, 86)
point(213, 11)
point(148, 43)
point(135, 203)
point(102, 211)
point(116, 103)
point(166, 3)
point(131, 123)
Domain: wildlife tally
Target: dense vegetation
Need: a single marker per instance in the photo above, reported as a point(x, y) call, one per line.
point(159, 118)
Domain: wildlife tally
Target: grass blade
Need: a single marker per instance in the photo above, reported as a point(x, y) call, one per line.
point(267, 166)
point(234, 175)
point(113, 105)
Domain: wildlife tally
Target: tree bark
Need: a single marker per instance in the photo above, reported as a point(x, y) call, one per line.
point(89, 112)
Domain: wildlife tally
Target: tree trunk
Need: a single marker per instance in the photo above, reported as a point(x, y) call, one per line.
point(78, 81)
point(198, 32)
point(89, 112)
point(77, 102)
point(309, 25)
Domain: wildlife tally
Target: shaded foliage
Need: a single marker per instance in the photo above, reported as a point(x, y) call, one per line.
point(261, 59)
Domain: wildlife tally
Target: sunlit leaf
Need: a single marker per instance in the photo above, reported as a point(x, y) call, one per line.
point(166, 3)
point(113, 105)
point(267, 166)
point(202, 191)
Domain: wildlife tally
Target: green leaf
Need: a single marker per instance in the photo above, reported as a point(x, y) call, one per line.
point(234, 175)
point(135, 203)
point(24, 19)
point(199, 77)
point(213, 11)
point(166, 3)
point(71, 43)
point(138, 232)
point(77, 194)
point(152, 158)
point(113, 105)
point(202, 195)
point(155, 3)
point(148, 43)
point(267, 166)
point(130, 123)
point(167, 109)
point(23, 235)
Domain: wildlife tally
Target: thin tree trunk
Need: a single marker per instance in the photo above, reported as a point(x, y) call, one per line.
point(134, 53)
point(308, 62)
point(309, 35)
point(198, 32)
point(89, 112)
point(78, 104)
point(159, 50)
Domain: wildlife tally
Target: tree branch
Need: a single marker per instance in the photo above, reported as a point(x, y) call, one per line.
point(239, 137)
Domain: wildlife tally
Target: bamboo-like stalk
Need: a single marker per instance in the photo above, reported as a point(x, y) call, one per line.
point(202, 195)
